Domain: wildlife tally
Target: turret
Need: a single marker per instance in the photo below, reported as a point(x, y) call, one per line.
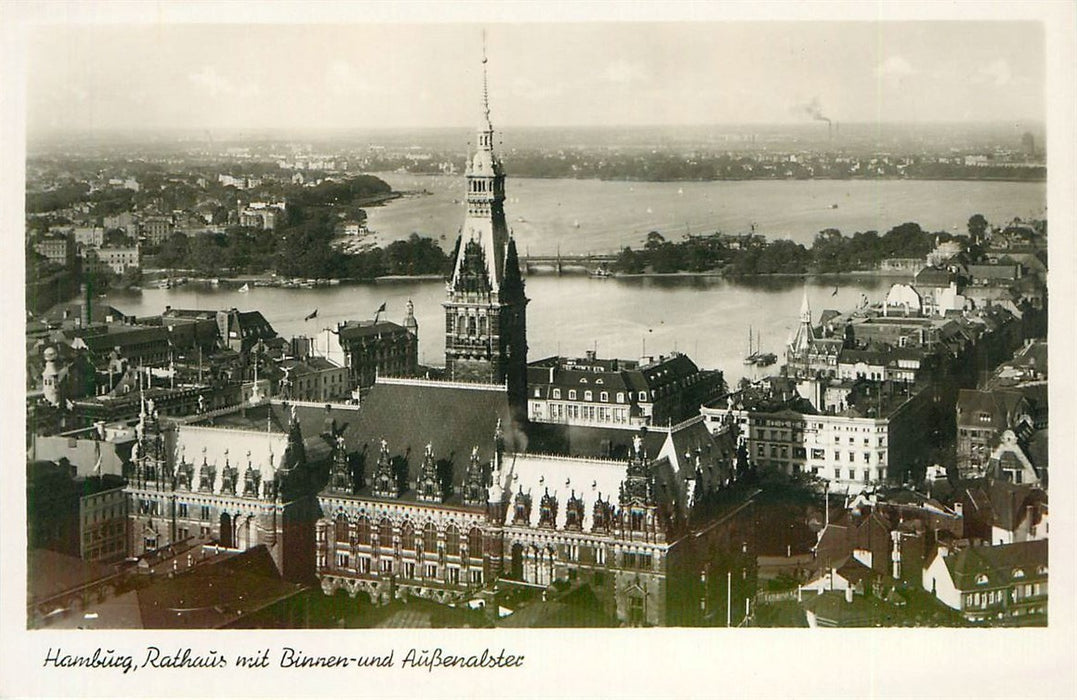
point(410, 324)
point(429, 487)
point(50, 377)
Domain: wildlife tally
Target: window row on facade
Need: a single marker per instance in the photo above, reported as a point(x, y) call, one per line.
point(408, 569)
point(363, 532)
point(577, 412)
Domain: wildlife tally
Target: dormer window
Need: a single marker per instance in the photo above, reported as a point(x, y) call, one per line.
point(1041, 569)
point(588, 396)
point(1018, 573)
point(981, 579)
point(557, 393)
point(583, 380)
point(572, 394)
point(599, 381)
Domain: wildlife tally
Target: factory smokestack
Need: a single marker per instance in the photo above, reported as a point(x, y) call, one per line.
point(814, 109)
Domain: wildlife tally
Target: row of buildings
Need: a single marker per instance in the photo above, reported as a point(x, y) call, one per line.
point(444, 489)
point(628, 484)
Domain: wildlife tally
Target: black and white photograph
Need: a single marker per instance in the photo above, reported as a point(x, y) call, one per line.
point(375, 330)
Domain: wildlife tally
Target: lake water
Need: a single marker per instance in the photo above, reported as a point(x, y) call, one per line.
point(582, 216)
point(707, 318)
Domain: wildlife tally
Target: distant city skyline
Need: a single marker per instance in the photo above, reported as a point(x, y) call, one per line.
point(367, 76)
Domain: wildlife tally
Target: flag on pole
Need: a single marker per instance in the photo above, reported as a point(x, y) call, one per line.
point(312, 314)
point(379, 312)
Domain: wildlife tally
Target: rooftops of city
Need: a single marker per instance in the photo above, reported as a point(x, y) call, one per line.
point(352, 330)
point(934, 277)
point(771, 395)
point(998, 566)
point(997, 410)
point(68, 312)
point(648, 374)
point(878, 399)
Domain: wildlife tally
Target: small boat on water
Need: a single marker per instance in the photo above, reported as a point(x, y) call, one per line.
point(765, 359)
point(601, 273)
point(576, 223)
point(245, 288)
point(756, 356)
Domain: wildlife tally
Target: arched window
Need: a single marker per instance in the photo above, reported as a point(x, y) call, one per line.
point(407, 536)
point(430, 538)
point(474, 543)
point(385, 533)
point(981, 579)
point(1018, 573)
point(362, 531)
point(452, 541)
point(341, 528)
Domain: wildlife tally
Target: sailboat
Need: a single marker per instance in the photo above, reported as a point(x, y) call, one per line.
point(757, 357)
point(245, 288)
point(751, 357)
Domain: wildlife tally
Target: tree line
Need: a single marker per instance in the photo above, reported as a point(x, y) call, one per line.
point(301, 246)
point(830, 252)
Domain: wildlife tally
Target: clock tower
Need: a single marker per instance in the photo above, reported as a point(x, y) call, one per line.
point(485, 308)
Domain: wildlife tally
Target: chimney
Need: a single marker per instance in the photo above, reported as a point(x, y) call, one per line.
point(84, 308)
point(849, 594)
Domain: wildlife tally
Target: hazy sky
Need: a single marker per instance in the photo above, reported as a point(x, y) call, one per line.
point(397, 75)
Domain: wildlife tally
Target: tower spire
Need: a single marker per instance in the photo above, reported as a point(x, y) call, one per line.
point(485, 90)
point(485, 317)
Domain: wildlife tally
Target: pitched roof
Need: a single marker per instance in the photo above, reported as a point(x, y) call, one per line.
point(99, 311)
point(600, 442)
point(214, 594)
point(1010, 502)
point(452, 417)
point(1001, 405)
point(998, 564)
point(51, 573)
point(562, 478)
point(363, 329)
point(314, 421)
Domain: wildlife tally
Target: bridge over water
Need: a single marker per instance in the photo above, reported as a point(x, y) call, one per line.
point(559, 263)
